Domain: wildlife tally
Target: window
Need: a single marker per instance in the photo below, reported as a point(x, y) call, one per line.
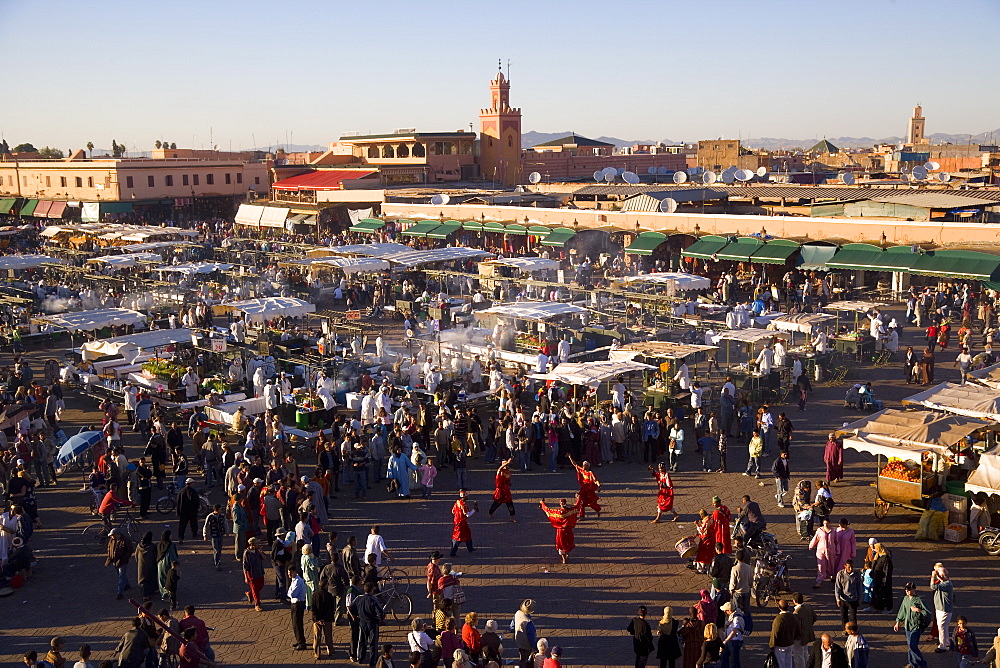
point(373, 151)
point(184, 179)
point(79, 182)
point(48, 181)
point(239, 177)
point(388, 151)
point(90, 181)
point(129, 182)
point(150, 180)
point(170, 179)
point(229, 178)
point(62, 181)
point(510, 142)
point(195, 177)
point(210, 179)
point(256, 180)
point(418, 150)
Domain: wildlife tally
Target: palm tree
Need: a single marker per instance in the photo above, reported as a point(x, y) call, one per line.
point(90, 147)
point(158, 143)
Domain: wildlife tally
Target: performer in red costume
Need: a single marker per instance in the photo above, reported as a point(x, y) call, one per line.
point(589, 485)
point(664, 494)
point(502, 495)
point(720, 525)
point(461, 512)
point(563, 519)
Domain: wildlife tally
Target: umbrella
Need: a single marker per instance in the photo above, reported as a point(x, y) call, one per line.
point(76, 445)
point(13, 414)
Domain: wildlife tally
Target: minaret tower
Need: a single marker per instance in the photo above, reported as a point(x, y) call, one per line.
point(915, 128)
point(500, 136)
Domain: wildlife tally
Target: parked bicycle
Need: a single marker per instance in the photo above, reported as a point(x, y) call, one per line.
point(167, 503)
point(394, 578)
point(95, 536)
point(396, 603)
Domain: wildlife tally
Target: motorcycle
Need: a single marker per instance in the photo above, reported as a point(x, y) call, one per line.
point(770, 577)
point(989, 540)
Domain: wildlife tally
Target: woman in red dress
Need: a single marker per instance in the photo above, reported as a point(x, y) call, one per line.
point(720, 526)
point(589, 484)
point(502, 495)
point(665, 493)
point(563, 519)
point(461, 512)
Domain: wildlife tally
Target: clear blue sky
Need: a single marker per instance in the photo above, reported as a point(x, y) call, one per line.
point(137, 71)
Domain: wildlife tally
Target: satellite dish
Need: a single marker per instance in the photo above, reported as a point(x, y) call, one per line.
point(709, 177)
point(630, 177)
point(848, 179)
point(651, 170)
point(743, 174)
point(662, 170)
point(727, 177)
point(668, 205)
point(931, 166)
point(439, 200)
point(944, 177)
point(696, 170)
point(680, 177)
point(610, 177)
point(610, 170)
point(598, 176)
point(919, 173)
point(534, 177)
point(762, 171)
point(903, 177)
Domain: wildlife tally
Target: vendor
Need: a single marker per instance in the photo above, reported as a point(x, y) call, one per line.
point(190, 382)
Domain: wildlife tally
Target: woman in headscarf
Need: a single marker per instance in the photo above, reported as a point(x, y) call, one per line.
point(706, 608)
point(145, 561)
point(310, 573)
point(802, 505)
point(910, 360)
point(668, 643)
point(825, 544)
point(833, 457)
point(166, 555)
point(882, 579)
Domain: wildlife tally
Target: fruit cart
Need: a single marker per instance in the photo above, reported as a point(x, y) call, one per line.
point(901, 483)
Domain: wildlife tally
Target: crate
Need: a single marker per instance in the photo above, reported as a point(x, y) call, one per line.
point(958, 508)
point(956, 533)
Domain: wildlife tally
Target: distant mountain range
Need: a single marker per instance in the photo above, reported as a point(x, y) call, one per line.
point(529, 139)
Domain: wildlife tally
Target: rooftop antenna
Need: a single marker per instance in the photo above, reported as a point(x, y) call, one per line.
point(508, 69)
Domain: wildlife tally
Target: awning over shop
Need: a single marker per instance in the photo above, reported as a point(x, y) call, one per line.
point(57, 210)
point(7, 204)
point(42, 210)
point(472, 226)
point(266, 308)
point(680, 280)
point(969, 400)
point(705, 247)
point(249, 215)
point(908, 434)
point(958, 264)
point(367, 226)
point(443, 230)
point(96, 319)
point(591, 374)
point(420, 229)
point(493, 227)
point(538, 311)
point(539, 231)
point(130, 345)
point(29, 207)
point(855, 256)
point(515, 228)
point(814, 258)
point(273, 216)
point(740, 250)
point(558, 237)
point(116, 207)
point(646, 243)
point(776, 251)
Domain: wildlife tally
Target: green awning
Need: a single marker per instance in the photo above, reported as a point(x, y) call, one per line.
point(646, 243)
point(116, 207)
point(420, 229)
point(516, 228)
point(775, 252)
point(815, 257)
point(539, 231)
point(740, 250)
point(472, 226)
point(367, 226)
point(7, 204)
point(855, 256)
point(29, 207)
point(958, 264)
point(705, 247)
point(493, 227)
point(558, 237)
point(443, 230)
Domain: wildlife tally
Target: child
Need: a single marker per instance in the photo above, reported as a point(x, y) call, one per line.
point(173, 576)
point(428, 472)
point(553, 661)
point(866, 585)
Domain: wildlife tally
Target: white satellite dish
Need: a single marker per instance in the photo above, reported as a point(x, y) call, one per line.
point(903, 177)
point(931, 166)
point(651, 170)
point(944, 177)
point(610, 177)
point(762, 171)
point(680, 177)
point(598, 175)
point(728, 177)
point(709, 177)
point(439, 200)
point(610, 170)
point(662, 170)
point(919, 173)
point(534, 177)
point(848, 179)
point(630, 178)
point(743, 175)
point(668, 205)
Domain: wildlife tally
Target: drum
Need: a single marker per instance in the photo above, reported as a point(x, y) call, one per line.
point(687, 547)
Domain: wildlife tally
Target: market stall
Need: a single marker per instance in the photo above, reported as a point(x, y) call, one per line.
point(195, 268)
point(805, 323)
point(530, 322)
point(260, 310)
point(673, 280)
point(131, 345)
point(92, 320)
point(666, 357)
point(988, 376)
point(127, 261)
point(974, 401)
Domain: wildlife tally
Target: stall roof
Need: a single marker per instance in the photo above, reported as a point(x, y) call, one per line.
point(533, 310)
point(705, 247)
point(986, 477)
point(274, 216)
point(660, 349)
point(360, 249)
point(740, 250)
point(908, 434)
point(153, 245)
point(681, 280)
point(776, 251)
point(969, 400)
point(751, 335)
point(872, 258)
point(443, 230)
point(989, 376)
point(196, 268)
point(802, 322)
point(558, 237)
point(132, 343)
point(96, 319)
point(26, 261)
point(859, 307)
point(591, 373)
point(249, 214)
point(646, 243)
point(815, 257)
point(420, 229)
point(528, 264)
point(354, 265)
point(265, 308)
point(958, 264)
point(127, 260)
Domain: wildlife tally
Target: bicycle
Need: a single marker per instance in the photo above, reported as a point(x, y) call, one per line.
point(398, 604)
point(95, 536)
point(395, 578)
point(167, 503)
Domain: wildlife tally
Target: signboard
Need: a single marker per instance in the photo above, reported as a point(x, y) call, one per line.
point(218, 345)
point(353, 315)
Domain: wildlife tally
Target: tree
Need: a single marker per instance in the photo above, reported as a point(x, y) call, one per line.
point(3, 147)
point(26, 147)
point(90, 147)
point(117, 149)
point(173, 145)
point(48, 152)
point(158, 143)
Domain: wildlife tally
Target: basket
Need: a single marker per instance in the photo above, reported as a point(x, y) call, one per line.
point(956, 533)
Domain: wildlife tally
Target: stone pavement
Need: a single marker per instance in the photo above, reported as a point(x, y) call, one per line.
point(621, 561)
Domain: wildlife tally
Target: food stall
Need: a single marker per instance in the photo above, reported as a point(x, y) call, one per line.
point(666, 356)
point(502, 271)
point(922, 451)
point(590, 375)
point(976, 401)
point(259, 311)
point(987, 376)
point(531, 322)
point(855, 307)
point(805, 323)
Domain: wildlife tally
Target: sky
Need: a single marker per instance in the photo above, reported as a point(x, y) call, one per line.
point(256, 74)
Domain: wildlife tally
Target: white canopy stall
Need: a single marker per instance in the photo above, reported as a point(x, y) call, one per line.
point(750, 338)
point(805, 323)
point(591, 374)
point(537, 311)
point(90, 320)
point(127, 261)
point(16, 262)
point(679, 280)
point(970, 400)
point(908, 434)
point(129, 346)
point(526, 264)
point(354, 265)
point(196, 268)
point(266, 308)
point(986, 477)
point(988, 376)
